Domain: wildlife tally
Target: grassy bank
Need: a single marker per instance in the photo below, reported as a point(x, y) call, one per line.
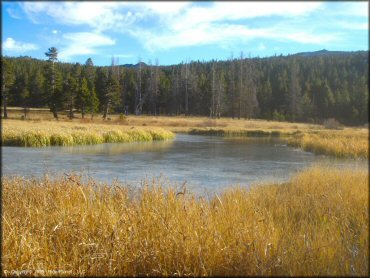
point(316, 224)
point(343, 143)
point(51, 133)
point(347, 142)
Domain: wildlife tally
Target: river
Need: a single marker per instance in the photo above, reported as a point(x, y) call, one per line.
point(206, 163)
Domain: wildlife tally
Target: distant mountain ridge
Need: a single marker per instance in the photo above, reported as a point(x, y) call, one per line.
point(323, 52)
point(133, 66)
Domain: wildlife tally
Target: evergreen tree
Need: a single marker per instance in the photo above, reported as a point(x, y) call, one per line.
point(328, 86)
point(7, 78)
point(111, 93)
point(295, 102)
point(84, 96)
point(52, 55)
point(36, 89)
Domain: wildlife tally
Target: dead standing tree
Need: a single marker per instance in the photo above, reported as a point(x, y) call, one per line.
point(111, 94)
point(251, 102)
point(232, 87)
point(294, 91)
point(213, 92)
point(138, 95)
point(241, 85)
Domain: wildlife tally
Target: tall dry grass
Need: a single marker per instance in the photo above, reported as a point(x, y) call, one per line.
point(346, 143)
point(49, 133)
point(316, 224)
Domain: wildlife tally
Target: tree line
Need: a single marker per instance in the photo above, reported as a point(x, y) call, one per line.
point(291, 88)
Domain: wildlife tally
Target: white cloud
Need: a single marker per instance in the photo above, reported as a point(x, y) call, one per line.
point(82, 43)
point(55, 32)
point(307, 38)
point(98, 15)
point(225, 34)
point(353, 25)
point(199, 25)
point(107, 15)
point(221, 11)
point(166, 25)
point(356, 9)
point(13, 13)
point(16, 46)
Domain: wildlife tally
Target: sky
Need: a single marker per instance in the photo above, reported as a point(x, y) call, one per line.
point(173, 32)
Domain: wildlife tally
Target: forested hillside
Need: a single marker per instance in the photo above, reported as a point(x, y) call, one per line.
point(295, 88)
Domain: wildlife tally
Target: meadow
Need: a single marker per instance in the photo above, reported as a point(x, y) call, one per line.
point(315, 224)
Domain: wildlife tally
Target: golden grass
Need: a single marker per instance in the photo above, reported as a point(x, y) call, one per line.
point(40, 134)
point(346, 143)
point(316, 224)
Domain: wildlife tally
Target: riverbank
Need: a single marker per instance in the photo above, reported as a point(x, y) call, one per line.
point(345, 142)
point(316, 224)
point(52, 133)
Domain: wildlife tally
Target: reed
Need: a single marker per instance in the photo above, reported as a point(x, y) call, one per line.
point(316, 224)
point(41, 134)
point(334, 143)
point(237, 132)
point(348, 142)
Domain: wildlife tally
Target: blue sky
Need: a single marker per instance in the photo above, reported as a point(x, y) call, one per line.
point(173, 32)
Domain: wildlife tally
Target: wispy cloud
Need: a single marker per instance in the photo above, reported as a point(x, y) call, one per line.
point(98, 15)
point(354, 25)
point(12, 45)
point(82, 43)
point(13, 13)
point(200, 25)
point(167, 25)
point(360, 9)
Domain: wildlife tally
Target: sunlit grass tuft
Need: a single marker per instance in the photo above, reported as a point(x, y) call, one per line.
point(316, 224)
point(348, 142)
point(41, 134)
point(334, 143)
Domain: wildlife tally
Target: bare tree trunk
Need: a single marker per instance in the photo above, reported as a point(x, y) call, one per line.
point(294, 90)
point(4, 97)
point(247, 105)
point(241, 85)
point(232, 81)
point(219, 93)
point(5, 107)
point(25, 110)
point(212, 112)
point(186, 90)
point(71, 107)
point(106, 110)
point(138, 90)
point(83, 111)
point(54, 111)
point(175, 89)
point(5, 100)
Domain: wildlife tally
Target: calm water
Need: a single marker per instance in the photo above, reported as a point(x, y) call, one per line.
point(207, 164)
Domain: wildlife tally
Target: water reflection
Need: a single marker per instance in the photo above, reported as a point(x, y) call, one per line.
point(206, 163)
point(118, 148)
